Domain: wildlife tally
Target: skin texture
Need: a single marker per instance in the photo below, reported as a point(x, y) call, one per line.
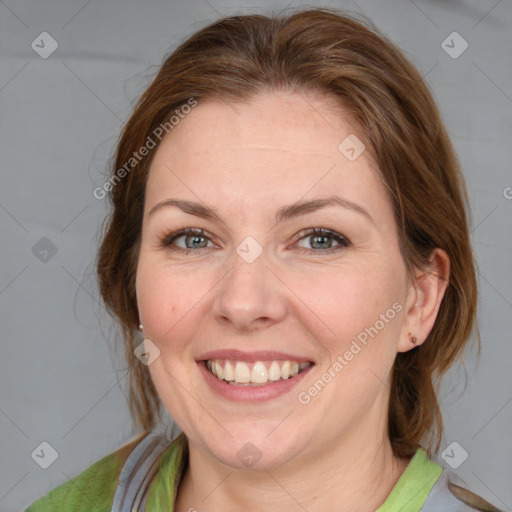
point(245, 161)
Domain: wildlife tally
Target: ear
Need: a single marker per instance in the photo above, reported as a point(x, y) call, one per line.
point(424, 296)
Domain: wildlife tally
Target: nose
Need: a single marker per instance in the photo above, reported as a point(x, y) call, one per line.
point(250, 296)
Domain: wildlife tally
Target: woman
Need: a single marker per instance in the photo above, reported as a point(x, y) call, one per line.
point(289, 231)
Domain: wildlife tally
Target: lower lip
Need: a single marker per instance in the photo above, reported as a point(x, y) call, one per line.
point(249, 393)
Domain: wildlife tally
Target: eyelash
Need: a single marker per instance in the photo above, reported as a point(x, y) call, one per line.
point(343, 241)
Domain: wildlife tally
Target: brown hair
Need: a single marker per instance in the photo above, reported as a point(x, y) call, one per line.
point(326, 52)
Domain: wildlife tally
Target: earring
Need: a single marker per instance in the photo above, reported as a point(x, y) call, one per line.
point(141, 327)
point(413, 339)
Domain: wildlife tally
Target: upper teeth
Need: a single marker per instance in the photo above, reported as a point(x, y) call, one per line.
point(261, 372)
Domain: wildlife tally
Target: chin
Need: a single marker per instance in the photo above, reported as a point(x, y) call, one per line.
point(253, 448)
point(253, 456)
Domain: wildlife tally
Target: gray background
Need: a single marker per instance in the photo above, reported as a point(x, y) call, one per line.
point(61, 380)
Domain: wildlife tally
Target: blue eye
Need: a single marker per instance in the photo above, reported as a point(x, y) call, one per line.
point(192, 236)
point(322, 239)
point(319, 238)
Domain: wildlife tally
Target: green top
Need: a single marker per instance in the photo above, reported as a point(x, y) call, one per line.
point(93, 490)
point(414, 485)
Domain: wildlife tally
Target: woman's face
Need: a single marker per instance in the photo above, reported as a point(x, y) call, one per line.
point(257, 293)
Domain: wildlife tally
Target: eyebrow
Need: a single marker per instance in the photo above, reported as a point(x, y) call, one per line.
point(282, 214)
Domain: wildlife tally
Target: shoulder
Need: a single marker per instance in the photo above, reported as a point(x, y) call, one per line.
point(92, 490)
point(451, 493)
point(474, 501)
point(426, 486)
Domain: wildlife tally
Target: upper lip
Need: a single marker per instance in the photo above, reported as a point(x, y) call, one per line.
point(260, 355)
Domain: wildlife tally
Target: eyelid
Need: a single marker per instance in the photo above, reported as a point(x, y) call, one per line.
point(320, 231)
point(342, 241)
point(167, 239)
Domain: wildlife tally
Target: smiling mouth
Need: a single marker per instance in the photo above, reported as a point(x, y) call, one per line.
point(258, 373)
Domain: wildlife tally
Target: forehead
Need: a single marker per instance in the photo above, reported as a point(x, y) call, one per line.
point(277, 147)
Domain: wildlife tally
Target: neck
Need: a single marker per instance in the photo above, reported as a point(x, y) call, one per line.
point(357, 474)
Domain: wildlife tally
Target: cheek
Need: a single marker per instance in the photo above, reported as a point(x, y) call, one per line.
point(158, 299)
point(336, 304)
point(169, 302)
point(361, 317)
point(346, 300)
point(366, 319)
